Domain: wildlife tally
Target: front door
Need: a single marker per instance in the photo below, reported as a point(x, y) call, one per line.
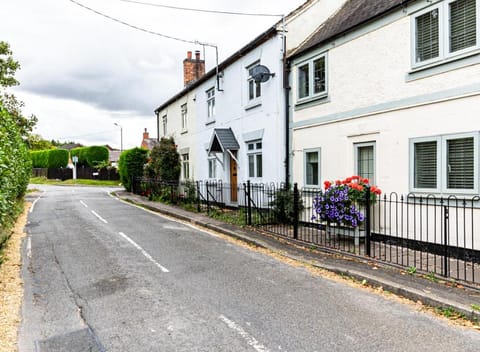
point(233, 180)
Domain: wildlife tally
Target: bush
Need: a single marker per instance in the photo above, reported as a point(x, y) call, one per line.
point(39, 159)
point(15, 166)
point(131, 164)
point(164, 161)
point(90, 156)
point(282, 206)
point(57, 158)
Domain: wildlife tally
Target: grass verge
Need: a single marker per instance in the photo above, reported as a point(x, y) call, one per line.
point(45, 181)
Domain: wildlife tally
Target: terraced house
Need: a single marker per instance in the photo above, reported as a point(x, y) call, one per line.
point(392, 89)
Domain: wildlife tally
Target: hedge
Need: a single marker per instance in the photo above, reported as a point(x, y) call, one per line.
point(15, 167)
point(131, 164)
point(51, 158)
point(90, 156)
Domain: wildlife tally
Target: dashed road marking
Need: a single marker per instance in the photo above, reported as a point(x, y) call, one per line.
point(148, 256)
point(84, 204)
point(99, 217)
point(252, 341)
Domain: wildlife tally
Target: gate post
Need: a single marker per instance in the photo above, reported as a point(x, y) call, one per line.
point(296, 200)
point(249, 205)
point(198, 196)
point(208, 202)
point(445, 241)
point(368, 221)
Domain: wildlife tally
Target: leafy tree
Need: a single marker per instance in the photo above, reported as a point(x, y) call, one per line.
point(8, 68)
point(164, 161)
point(36, 142)
point(131, 164)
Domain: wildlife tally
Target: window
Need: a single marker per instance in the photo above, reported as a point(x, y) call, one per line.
point(185, 166)
point(212, 168)
point(312, 78)
point(444, 30)
point(184, 118)
point(445, 163)
point(254, 88)
point(255, 159)
point(365, 160)
point(312, 167)
point(164, 124)
point(211, 103)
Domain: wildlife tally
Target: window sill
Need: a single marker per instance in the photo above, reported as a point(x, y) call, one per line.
point(253, 104)
point(210, 122)
point(444, 65)
point(308, 102)
point(445, 193)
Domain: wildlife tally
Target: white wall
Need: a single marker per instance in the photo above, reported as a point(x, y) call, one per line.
point(373, 96)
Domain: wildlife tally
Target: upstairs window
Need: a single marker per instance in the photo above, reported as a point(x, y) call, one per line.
point(184, 118)
point(312, 78)
point(444, 30)
point(164, 125)
point(254, 88)
point(211, 103)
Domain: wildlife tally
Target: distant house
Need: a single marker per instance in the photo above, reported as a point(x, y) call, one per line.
point(71, 146)
point(147, 142)
point(389, 90)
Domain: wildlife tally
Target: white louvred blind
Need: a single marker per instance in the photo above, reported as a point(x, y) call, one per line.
point(425, 165)
point(427, 36)
point(463, 24)
point(460, 163)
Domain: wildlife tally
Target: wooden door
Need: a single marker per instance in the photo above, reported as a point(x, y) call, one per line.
point(233, 180)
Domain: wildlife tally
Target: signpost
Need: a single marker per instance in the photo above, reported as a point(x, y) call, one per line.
point(75, 161)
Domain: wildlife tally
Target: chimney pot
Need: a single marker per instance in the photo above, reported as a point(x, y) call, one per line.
point(197, 55)
point(189, 55)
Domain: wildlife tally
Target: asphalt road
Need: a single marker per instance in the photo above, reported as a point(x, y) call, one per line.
point(103, 275)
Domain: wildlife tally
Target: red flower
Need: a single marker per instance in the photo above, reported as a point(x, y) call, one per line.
point(365, 180)
point(356, 178)
point(338, 182)
point(327, 184)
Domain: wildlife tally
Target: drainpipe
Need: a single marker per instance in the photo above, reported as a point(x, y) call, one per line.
point(286, 89)
point(158, 125)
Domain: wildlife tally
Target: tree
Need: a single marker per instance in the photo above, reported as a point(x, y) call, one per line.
point(8, 68)
point(165, 161)
point(36, 142)
point(131, 164)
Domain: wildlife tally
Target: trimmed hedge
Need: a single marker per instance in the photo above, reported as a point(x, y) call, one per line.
point(90, 156)
point(15, 167)
point(51, 158)
point(131, 164)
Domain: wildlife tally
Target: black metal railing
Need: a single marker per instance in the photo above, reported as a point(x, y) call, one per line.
point(424, 233)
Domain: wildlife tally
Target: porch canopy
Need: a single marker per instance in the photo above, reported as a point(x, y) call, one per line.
point(223, 140)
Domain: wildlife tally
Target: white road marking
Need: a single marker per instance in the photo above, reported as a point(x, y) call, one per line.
point(33, 204)
point(99, 217)
point(252, 341)
point(148, 256)
point(84, 204)
point(29, 247)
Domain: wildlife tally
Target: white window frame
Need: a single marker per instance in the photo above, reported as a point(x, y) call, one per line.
point(164, 125)
point(184, 113)
point(186, 166)
point(312, 150)
point(311, 78)
point(210, 93)
point(212, 168)
point(357, 146)
point(442, 167)
point(250, 81)
point(254, 152)
point(444, 54)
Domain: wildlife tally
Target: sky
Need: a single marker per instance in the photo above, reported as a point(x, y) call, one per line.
point(82, 73)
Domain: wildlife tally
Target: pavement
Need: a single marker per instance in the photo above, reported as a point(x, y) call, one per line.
point(441, 294)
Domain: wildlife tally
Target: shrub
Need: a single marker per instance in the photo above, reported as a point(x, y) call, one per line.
point(57, 158)
point(39, 159)
point(80, 154)
point(131, 164)
point(15, 166)
point(96, 155)
point(164, 161)
point(282, 206)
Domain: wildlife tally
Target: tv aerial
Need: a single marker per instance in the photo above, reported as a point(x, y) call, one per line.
point(261, 74)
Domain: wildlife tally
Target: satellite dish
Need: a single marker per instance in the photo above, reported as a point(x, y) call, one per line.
point(261, 74)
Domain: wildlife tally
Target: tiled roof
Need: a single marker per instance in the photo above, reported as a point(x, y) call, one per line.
point(352, 14)
point(223, 139)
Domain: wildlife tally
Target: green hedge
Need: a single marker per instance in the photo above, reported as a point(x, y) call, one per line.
point(15, 167)
point(131, 163)
point(51, 158)
point(90, 156)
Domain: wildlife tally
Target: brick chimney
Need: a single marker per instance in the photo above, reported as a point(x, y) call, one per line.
point(193, 69)
point(145, 134)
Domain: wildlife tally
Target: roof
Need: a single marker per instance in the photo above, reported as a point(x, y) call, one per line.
point(242, 52)
point(149, 143)
point(351, 15)
point(223, 139)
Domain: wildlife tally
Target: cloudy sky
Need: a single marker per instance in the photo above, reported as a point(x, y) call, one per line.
point(82, 72)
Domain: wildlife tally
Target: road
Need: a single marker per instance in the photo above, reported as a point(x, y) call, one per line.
point(104, 275)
